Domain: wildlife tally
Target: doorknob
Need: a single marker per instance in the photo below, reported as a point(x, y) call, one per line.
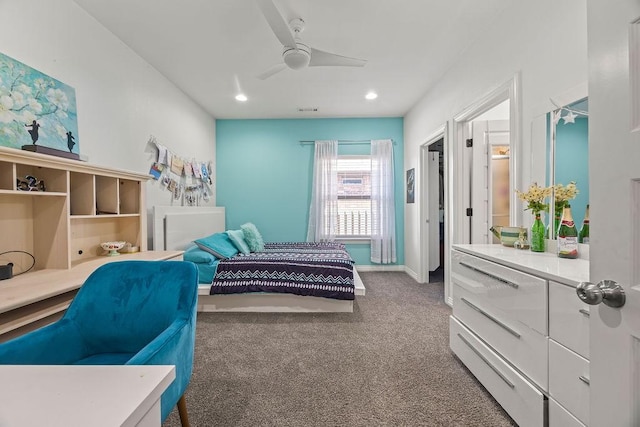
point(606, 291)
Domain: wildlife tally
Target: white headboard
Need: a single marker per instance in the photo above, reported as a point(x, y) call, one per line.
point(176, 227)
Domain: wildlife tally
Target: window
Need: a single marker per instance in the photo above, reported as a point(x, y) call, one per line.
point(354, 197)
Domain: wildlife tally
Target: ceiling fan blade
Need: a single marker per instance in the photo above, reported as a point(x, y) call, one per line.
point(277, 23)
point(320, 58)
point(271, 71)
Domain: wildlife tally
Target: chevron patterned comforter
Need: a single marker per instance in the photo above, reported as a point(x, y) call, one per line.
point(323, 269)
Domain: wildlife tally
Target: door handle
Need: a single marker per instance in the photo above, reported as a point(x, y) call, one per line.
point(607, 291)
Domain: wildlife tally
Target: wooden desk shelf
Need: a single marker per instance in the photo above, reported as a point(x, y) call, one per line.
point(62, 227)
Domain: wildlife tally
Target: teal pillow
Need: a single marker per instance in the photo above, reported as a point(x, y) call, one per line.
point(237, 237)
point(218, 245)
point(197, 255)
point(253, 237)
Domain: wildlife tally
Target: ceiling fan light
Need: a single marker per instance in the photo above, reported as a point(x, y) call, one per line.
point(297, 58)
point(241, 97)
point(371, 96)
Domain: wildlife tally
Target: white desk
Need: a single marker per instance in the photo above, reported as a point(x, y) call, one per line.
point(109, 396)
point(32, 300)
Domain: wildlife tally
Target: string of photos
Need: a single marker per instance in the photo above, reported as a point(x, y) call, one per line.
point(189, 181)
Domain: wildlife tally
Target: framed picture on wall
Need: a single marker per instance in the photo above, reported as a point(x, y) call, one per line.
point(411, 189)
point(37, 112)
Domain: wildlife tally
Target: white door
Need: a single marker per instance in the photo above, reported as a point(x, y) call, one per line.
point(485, 134)
point(614, 168)
point(434, 210)
point(429, 211)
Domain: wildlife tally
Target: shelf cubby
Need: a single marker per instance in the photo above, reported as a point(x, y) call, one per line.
point(7, 176)
point(88, 232)
point(106, 195)
point(82, 193)
point(16, 223)
point(129, 195)
point(55, 180)
point(37, 225)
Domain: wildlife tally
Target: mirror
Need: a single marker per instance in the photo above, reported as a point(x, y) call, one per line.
point(568, 155)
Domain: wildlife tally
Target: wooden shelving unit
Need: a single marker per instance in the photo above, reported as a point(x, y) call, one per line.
point(62, 227)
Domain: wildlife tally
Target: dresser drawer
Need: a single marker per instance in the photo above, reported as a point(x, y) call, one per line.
point(520, 296)
point(568, 318)
point(525, 348)
point(560, 417)
point(522, 400)
point(569, 380)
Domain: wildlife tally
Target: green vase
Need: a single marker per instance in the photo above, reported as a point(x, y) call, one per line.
point(537, 235)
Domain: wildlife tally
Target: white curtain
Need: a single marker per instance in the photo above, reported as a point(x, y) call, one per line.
point(383, 217)
point(324, 193)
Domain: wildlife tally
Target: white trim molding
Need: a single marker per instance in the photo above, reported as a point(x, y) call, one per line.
point(390, 268)
point(413, 274)
point(371, 268)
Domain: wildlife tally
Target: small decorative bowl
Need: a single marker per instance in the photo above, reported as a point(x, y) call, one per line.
point(510, 235)
point(112, 248)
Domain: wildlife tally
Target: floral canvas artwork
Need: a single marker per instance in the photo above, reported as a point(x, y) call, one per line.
point(36, 109)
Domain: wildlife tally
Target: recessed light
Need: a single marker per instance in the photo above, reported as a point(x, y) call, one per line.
point(241, 97)
point(371, 95)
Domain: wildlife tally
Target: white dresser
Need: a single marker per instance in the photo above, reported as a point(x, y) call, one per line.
point(520, 328)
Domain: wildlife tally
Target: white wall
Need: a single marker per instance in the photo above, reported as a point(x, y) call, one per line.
point(121, 99)
point(545, 41)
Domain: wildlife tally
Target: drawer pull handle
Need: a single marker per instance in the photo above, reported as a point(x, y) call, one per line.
point(584, 380)
point(484, 359)
point(493, 276)
point(585, 312)
point(490, 317)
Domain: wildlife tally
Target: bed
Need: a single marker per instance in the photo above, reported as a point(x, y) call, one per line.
point(176, 228)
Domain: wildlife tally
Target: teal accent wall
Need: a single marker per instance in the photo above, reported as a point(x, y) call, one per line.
point(572, 163)
point(264, 174)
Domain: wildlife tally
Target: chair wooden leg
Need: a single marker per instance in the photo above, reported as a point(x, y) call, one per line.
point(182, 411)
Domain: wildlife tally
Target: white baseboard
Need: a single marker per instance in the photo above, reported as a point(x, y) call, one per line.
point(411, 273)
point(377, 268)
point(367, 268)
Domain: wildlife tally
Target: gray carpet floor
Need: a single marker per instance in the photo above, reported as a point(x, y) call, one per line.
point(386, 364)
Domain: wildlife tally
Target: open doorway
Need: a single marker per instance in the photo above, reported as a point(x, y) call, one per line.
point(486, 138)
point(490, 173)
point(433, 206)
point(462, 161)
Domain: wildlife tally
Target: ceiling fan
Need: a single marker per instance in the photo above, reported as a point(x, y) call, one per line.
point(295, 53)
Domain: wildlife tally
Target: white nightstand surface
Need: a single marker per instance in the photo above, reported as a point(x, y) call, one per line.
point(71, 395)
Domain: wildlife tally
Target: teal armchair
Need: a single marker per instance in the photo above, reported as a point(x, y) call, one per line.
point(126, 313)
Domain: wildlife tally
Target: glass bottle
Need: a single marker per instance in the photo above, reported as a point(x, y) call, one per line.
point(583, 235)
point(567, 235)
point(537, 235)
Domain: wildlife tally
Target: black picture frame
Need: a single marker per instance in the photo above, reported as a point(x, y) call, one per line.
point(411, 185)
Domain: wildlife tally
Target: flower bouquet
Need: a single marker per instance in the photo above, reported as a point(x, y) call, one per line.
point(535, 197)
point(562, 194)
